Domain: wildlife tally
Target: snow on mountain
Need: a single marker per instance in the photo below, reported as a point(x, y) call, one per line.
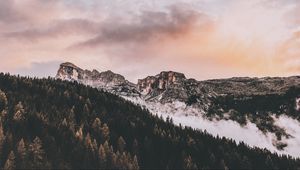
point(262, 112)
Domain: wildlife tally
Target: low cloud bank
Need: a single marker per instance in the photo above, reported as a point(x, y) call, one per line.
point(249, 134)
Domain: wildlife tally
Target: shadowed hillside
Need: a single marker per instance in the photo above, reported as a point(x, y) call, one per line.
point(47, 123)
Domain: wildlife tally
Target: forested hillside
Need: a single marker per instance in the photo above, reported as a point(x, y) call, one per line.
point(47, 123)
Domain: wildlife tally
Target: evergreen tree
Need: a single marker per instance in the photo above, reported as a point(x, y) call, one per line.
point(79, 134)
point(97, 125)
point(19, 112)
point(188, 163)
point(102, 157)
point(86, 109)
point(37, 154)
point(10, 163)
point(71, 119)
point(135, 163)
point(22, 153)
point(64, 123)
point(106, 147)
point(135, 147)
point(105, 132)
point(269, 162)
point(2, 97)
point(114, 161)
point(223, 165)
point(3, 101)
point(95, 146)
point(89, 160)
point(88, 141)
point(121, 144)
point(2, 139)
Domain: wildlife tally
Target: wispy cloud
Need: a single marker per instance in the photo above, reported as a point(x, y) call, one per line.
point(148, 26)
point(203, 38)
point(56, 29)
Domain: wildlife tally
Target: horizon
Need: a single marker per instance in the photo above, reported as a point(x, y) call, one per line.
point(203, 39)
point(140, 78)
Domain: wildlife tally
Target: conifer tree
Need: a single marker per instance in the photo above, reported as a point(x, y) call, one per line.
point(102, 157)
point(95, 145)
point(97, 125)
point(269, 162)
point(3, 101)
point(88, 141)
point(106, 148)
point(89, 158)
point(188, 163)
point(2, 138)
point(135, 147)
point(114, 160)
point(71, 119)
point(10, 163)
point(223, 165)
point(64, 123)
point(105, 132)
point(135, 163)
point(79, 134)
point(37, 154)
point(121, 144)
point(22, 153)
point(19, 112)
point(86, 109)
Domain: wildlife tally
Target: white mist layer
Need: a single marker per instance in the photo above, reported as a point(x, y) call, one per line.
point(249, 134)
point(292, 127)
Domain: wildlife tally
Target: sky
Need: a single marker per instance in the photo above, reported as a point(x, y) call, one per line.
point(204, 39)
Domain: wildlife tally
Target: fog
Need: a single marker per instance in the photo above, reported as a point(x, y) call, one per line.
point(249, 134)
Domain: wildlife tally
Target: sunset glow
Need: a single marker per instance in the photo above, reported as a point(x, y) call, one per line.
point(205, 39)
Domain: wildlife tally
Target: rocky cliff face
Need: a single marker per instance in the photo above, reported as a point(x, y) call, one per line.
point(107, 80)
point(244, 100)
point(68, 71)
point(169, 86)
point(164, 87)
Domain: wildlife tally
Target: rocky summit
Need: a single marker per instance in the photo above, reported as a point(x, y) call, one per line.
point(106, 80)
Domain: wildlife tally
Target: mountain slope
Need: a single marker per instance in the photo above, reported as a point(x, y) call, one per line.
point(257, 106)
point(47, 123)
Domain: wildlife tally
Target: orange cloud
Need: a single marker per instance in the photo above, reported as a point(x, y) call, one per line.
point(246, 39)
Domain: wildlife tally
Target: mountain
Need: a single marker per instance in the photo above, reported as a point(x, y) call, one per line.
point(107, 80)
point(267, 109)
point(54, 124)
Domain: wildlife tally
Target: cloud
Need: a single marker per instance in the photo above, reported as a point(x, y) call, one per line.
point(289, 53)
point(28, 11)
point(55, 29)
point(39, 69)
point(249, 134)
point(204, 39)
point(148, 26)
point(8, 13)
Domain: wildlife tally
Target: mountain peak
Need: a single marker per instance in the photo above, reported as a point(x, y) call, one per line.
point(106, 80)
point(68, 64)
point(171, 75)
point(69, 71)
point(160, 85)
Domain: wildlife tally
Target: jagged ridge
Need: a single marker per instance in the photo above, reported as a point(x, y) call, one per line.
point(240, 99)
